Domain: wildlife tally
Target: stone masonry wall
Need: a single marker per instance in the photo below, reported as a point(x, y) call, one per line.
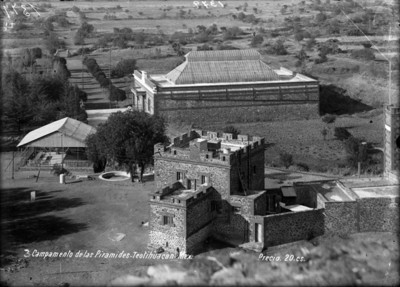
point(195, 112)
point(165, 173)
point(292, 226)
point(379, 214)
point(198, 215)
point(341, 217)
point(160, 234)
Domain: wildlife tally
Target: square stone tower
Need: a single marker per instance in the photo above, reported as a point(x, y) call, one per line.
point(392, 143)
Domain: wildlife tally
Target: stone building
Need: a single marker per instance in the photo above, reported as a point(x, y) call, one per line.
point(211, 185)
point(232, 85)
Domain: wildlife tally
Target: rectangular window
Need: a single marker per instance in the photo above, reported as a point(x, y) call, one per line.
point(254, 169)
point(204, 180)
point(179, 176)
point(167, 220)
point(148, 105)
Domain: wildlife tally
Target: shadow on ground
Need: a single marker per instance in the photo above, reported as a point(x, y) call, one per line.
point(24, 222)
point(333, 100)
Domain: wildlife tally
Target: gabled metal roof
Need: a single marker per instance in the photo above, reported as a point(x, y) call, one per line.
point(67, 126)
point(225, 66)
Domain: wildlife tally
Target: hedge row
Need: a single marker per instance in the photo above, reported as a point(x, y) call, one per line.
point(116, 94)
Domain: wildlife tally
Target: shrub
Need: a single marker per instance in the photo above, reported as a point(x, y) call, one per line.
point(257, 40)
point(231, 33)
point(342, 133)
point(202, 37)
point(75, 9)
point(103, 41)
point(85, 29)
point(120, 42)
point(302, 167)
point(277, 48)
point(286, 159)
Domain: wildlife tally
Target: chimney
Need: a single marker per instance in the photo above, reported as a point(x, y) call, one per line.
point(144, 75)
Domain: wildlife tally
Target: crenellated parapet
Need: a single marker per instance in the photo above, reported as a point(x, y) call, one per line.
point(177, 195)
point(210, 147)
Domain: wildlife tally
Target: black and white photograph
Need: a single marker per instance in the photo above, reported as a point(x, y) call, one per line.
point(196, 143)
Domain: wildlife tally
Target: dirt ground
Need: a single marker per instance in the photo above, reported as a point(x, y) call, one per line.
point(86, 215)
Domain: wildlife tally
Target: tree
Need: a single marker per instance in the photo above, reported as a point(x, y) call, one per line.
point(178, 49)
point(257, 40)
point(301, 59)
point(278, 48)
point(59, 67)
point(286, 159)
point(124, 68)
point(120, 42)
point(232, 130)
point(52, 43)
point(17, 110)
point(128, 140)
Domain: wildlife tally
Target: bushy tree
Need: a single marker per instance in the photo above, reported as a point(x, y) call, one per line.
point(52, 43)
point(278, 48)
point(231, 33)
point(286, 159)
point(127, 139)
point(17, 109)
point(257, 40)
point(232, 130)
point(124, 68)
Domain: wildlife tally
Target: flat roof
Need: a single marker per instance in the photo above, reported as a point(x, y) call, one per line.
point(332, 191)
point(377, 191)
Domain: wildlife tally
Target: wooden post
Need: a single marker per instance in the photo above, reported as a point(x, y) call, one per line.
point(37, 178)
point(359, 168)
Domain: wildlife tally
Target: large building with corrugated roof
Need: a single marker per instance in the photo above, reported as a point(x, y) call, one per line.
point(223, 86)
point(61, 142)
